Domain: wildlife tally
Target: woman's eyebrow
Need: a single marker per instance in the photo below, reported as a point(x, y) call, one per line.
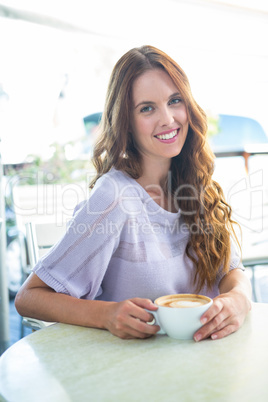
point(142, 103)
point(174, 95)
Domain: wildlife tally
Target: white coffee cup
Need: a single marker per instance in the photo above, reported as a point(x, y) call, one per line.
point(179, 315)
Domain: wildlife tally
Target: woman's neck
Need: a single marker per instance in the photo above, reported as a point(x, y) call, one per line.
point(154, 181)
point(154, 172)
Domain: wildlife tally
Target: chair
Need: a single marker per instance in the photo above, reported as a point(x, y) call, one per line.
point(254, 256)
point(40, 238)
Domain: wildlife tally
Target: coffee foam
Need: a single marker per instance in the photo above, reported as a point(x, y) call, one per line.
point(186, 303)
point(182, 301)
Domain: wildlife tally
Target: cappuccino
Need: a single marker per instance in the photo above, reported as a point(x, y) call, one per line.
point(182, 301)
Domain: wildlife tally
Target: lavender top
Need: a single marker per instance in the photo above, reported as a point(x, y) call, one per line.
point(121, 244)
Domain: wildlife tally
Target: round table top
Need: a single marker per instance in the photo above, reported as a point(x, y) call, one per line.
point(69, 363)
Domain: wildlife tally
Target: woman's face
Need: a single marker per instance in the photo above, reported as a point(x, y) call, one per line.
point(159, 121)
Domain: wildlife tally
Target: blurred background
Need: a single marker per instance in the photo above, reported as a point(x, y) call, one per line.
point(56, 59)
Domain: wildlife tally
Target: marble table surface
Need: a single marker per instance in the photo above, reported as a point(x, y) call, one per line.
point(68, 363)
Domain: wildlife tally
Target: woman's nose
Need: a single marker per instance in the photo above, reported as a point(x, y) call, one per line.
point(166, 117)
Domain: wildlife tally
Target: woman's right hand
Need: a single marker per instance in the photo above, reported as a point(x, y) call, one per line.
point(129, 319)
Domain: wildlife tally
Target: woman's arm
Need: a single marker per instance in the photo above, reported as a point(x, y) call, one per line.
point(127, 319)
point(229, 309)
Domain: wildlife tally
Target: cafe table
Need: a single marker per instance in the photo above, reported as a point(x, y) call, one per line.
point(64, 363)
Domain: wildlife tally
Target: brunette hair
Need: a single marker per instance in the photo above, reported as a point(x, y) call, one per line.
point(199, 198)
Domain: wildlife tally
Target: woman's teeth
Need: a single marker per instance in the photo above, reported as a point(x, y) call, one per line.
point(167, 136)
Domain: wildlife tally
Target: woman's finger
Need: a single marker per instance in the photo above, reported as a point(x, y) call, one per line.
point(225, 331)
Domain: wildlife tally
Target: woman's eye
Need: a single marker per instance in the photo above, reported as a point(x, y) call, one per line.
point(146, 109)
point(175, 100)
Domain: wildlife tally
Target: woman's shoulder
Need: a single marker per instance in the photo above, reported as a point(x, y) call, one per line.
point(109, 193)
point(118, 183)
point(114, 190)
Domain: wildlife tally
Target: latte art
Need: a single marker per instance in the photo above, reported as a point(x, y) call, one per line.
point(186, 301)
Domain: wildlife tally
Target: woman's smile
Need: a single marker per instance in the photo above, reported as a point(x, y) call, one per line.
point(168, 136)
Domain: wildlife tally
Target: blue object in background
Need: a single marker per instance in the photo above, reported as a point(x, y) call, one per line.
point(236, 133)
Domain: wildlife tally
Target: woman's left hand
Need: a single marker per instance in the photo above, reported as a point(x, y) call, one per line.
point(229, 309)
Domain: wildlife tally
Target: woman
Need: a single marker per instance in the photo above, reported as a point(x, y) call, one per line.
point(155, 223)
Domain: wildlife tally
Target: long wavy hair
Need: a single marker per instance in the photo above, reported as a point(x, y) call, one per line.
point(199, 198)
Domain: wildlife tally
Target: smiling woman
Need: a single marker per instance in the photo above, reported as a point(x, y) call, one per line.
point(155, 224)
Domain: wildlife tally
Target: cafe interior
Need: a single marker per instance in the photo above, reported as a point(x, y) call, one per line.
point(56, 60)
